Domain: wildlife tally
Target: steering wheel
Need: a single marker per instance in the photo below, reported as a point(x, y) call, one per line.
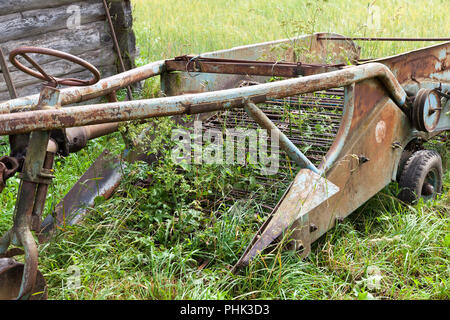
point(41, 74)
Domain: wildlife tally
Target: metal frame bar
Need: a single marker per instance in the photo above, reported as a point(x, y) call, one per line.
point(79, 94)
point(292, 151)
point(246, 67)
point(28, 121)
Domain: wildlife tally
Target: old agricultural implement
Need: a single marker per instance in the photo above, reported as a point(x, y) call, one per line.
point(366, 120)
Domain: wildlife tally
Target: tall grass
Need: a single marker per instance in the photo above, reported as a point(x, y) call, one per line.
point(168, 28)
point(123, 253)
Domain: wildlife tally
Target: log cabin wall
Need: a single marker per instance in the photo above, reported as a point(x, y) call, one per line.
point(76, 27)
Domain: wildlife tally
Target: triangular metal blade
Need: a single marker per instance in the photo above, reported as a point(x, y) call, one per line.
point(101, 179)
point(307, 191)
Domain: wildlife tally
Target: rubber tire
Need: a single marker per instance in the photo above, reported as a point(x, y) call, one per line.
point(414, 172)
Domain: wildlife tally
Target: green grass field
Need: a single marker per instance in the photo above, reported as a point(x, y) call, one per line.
point(168, 28)
point(153, 241)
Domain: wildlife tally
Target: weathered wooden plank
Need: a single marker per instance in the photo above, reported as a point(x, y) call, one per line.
point(44, 23)
point(9, 17)
point(12, 6)
point(61, 68)
point(36, 22)
point(106, 71)
point(88, 37)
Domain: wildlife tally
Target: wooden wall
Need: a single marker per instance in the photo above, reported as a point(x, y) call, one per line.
point(54, 24)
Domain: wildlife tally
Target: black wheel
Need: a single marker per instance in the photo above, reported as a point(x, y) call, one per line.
point(421, 176)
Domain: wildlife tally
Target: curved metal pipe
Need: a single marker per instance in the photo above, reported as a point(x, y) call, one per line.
point(31, 261)
point(131, 110)
point(79, 94)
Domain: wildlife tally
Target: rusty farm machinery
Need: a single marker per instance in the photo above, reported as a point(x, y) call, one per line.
point(378, 114)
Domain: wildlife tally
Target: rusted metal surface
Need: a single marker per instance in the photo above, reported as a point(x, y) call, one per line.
point(116, 46)
point(426, 110)
point(74, 139)
point(246, 67)
point(42, 189)
point(11, 273)
point(380, 147)
point(344, 129)
point(294, 153)
point(424, 65)
point(306, 192)
point(123, 111)
point(444, 120)
point(79, 94)
point(360, 159)
point(78, 137)
point(355, 159)
point(41, 74)
point(8, 167)
point(338, 52)
point(369, 158)
point(306, 49)
point(101, 179)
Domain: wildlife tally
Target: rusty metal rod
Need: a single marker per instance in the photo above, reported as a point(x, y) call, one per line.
point(7, 76)
point(382, 39)
point(79, 94)
point(245, 67)
point(131, 110)
point(78, 137)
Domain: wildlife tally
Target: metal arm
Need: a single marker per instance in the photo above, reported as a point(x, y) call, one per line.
point(131, 110)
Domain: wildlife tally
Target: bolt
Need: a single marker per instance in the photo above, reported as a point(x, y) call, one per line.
point(397, 145)
point(312, 227)
point(363, 159)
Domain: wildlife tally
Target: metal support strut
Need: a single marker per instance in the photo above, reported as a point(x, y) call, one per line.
point(35, 178)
